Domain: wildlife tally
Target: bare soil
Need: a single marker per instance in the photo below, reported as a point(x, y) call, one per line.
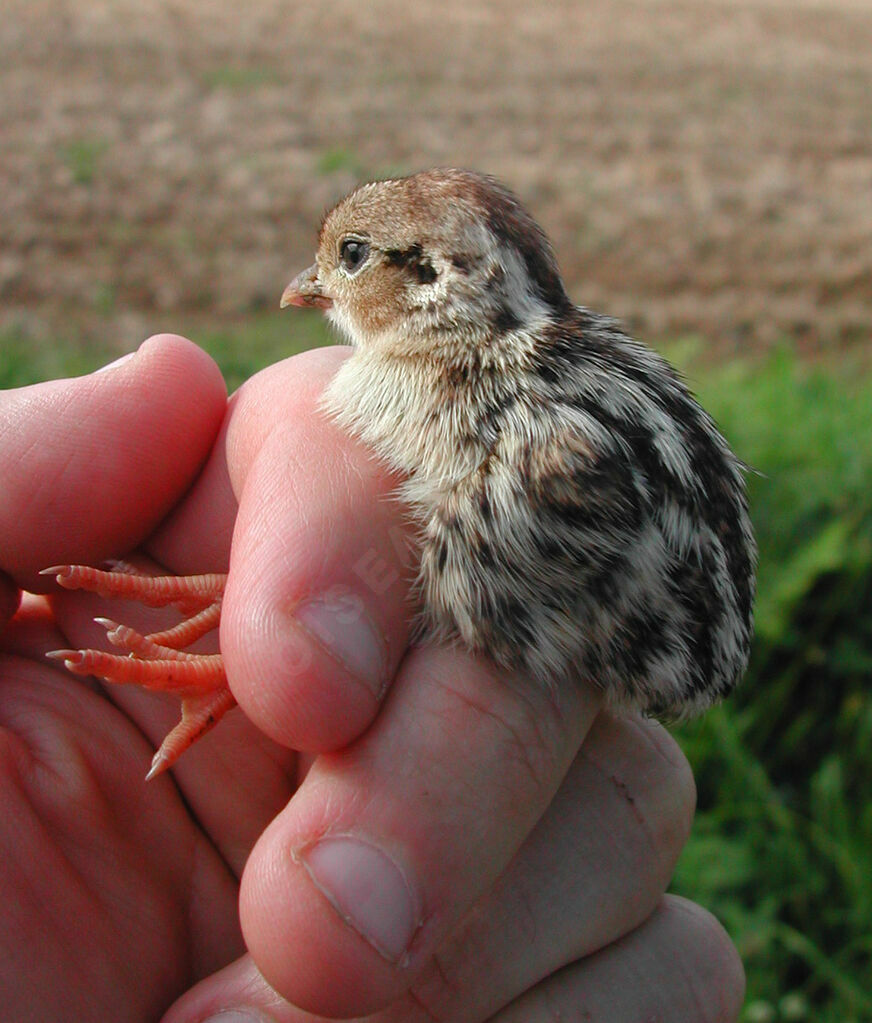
point(704, 167)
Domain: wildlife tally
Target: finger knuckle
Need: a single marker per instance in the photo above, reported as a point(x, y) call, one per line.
point(522, 733)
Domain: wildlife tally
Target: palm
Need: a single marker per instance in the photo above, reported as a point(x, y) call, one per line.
point(116, 883)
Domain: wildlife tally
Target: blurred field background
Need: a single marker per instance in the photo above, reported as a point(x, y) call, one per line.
point(704, 168)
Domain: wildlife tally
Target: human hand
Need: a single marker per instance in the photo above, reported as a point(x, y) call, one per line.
point(529, 834)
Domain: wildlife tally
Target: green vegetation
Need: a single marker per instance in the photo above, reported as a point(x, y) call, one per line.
point(242, 349)
point(338, 159)
point(782, 847)
point(25, 359)
point(240, 77)
point(83, 157)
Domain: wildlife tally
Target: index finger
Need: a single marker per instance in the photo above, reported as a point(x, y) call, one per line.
point(91, 465)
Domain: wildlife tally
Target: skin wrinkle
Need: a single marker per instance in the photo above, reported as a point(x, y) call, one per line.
point(39, 760)
point(186, 961)
point(656, 739)
point(63, 870)
point(520, 746)
point(418, 1001)
point(73, 873)
point(528, 929)
point(189, 901)
point(441, 972)
point(43, 482)
point(525, 926)
point(186, 889)
point(434, 985)
point(200, 898)
point(701, 1005)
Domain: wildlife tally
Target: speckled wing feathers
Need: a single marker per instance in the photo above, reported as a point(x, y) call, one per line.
point(621, 550)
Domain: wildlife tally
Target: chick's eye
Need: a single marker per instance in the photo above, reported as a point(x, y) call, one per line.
point(352, 254)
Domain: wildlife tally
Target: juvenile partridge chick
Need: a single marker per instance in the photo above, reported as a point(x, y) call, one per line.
point(579, 516)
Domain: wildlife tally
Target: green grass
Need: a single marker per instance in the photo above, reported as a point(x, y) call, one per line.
point(240, 77)
point(782, 847)
point(83, 157)
point(239, 347)
point(338, 159)
point(261, 340)
point(25, 359)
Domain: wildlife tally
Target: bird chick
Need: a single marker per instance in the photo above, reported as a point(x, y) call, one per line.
point(578, 515)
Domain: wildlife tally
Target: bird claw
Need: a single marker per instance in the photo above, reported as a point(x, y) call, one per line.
point(157, 660)
point(199, 715)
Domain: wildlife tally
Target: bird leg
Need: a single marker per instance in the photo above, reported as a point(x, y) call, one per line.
point(157, 660)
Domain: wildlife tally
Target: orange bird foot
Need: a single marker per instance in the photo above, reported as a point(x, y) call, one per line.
point(157, 660)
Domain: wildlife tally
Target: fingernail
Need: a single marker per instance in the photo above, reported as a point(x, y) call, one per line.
point(368, 890)
point(339, 622)
point(117, 362)
point(238, 1016)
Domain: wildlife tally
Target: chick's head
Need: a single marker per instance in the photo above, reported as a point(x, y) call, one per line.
point(438, 261)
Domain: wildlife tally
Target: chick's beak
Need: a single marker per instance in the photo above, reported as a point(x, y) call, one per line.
point(305, 290)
